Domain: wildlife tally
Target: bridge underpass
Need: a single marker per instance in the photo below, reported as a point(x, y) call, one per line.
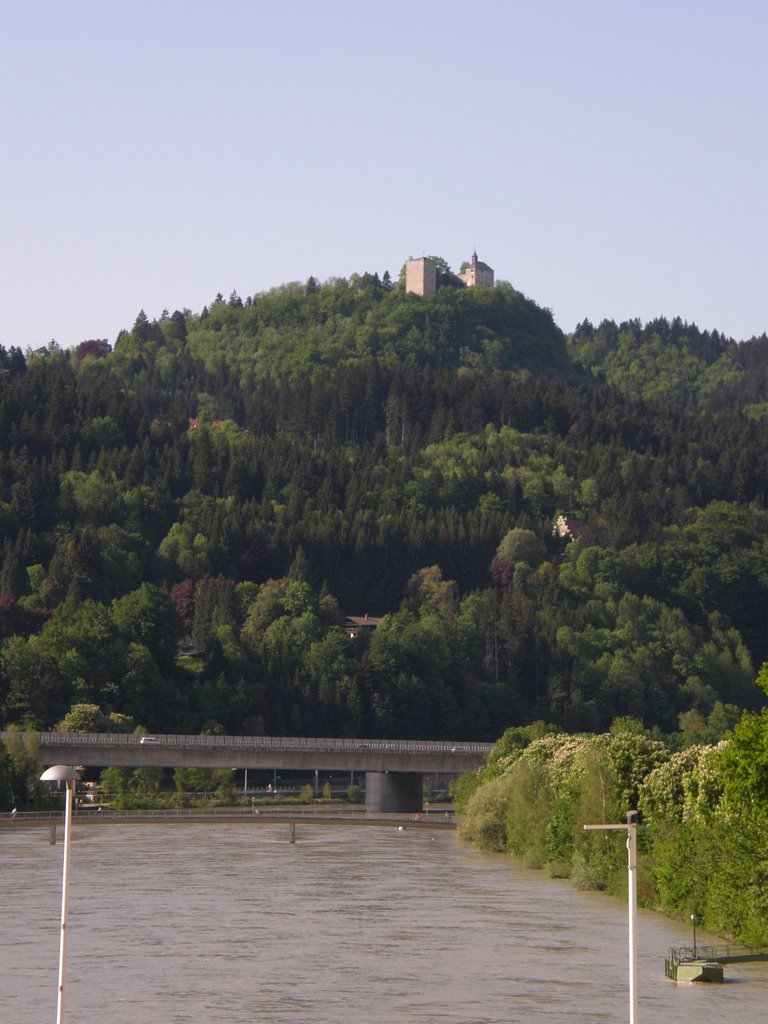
point(394, 769)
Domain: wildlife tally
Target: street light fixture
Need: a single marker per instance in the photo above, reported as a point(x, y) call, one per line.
point(63, 773)
point(631, 830)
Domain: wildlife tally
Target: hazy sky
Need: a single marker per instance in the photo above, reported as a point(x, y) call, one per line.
point(609, 159)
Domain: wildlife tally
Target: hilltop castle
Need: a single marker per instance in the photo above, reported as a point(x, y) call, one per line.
point(421, 275)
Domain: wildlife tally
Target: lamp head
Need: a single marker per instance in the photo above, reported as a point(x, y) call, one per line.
point(59, 773)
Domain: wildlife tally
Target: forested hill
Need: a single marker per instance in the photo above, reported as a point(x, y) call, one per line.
point(246, 478)
point(676, 363)
point(296, 329)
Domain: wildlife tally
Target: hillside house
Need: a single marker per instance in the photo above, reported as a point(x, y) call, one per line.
point(187, 647)
point(567, 527)
point(354, 625)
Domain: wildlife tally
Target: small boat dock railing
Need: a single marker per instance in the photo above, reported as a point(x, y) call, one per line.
point(711, 954)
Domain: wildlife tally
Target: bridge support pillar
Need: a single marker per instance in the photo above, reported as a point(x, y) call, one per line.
point(394, 792)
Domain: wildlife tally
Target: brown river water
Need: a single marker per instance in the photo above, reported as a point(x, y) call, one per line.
point(230, 922)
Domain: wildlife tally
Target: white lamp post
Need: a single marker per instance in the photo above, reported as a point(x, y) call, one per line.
point(631, 830)
point(63, 773)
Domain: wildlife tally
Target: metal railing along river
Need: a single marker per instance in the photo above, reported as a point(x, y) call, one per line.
point(318, 814)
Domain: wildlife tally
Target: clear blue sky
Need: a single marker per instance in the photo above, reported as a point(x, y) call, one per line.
point(609, 158)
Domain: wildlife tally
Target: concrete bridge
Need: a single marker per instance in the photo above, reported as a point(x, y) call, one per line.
point(393, 768)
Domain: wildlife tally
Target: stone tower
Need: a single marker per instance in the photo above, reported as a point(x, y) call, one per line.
point(421, 276)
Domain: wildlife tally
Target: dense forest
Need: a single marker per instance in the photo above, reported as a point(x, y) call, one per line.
point(188, 515)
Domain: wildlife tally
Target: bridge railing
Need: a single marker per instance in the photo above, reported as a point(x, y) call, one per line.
point(263, 743)
point(722, 954)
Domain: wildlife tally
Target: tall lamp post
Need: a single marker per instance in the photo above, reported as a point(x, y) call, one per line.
point(631, 830)
point(63, 773)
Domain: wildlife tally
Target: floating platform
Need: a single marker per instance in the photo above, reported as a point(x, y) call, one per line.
point(699, 970)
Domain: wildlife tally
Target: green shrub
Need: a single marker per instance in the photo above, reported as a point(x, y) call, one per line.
point(484, 820)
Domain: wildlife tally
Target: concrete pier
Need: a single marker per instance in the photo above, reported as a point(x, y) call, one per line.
point(394, 792)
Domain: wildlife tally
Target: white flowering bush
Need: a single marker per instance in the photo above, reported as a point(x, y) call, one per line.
point(703, 788)
point(557, 761)
point(558, 751)
point(632, 757)
point(687, 787)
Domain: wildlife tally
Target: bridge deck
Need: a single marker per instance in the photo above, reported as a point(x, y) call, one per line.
point(307, 753)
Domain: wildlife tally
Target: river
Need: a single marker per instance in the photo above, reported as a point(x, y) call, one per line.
point(198, 924)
